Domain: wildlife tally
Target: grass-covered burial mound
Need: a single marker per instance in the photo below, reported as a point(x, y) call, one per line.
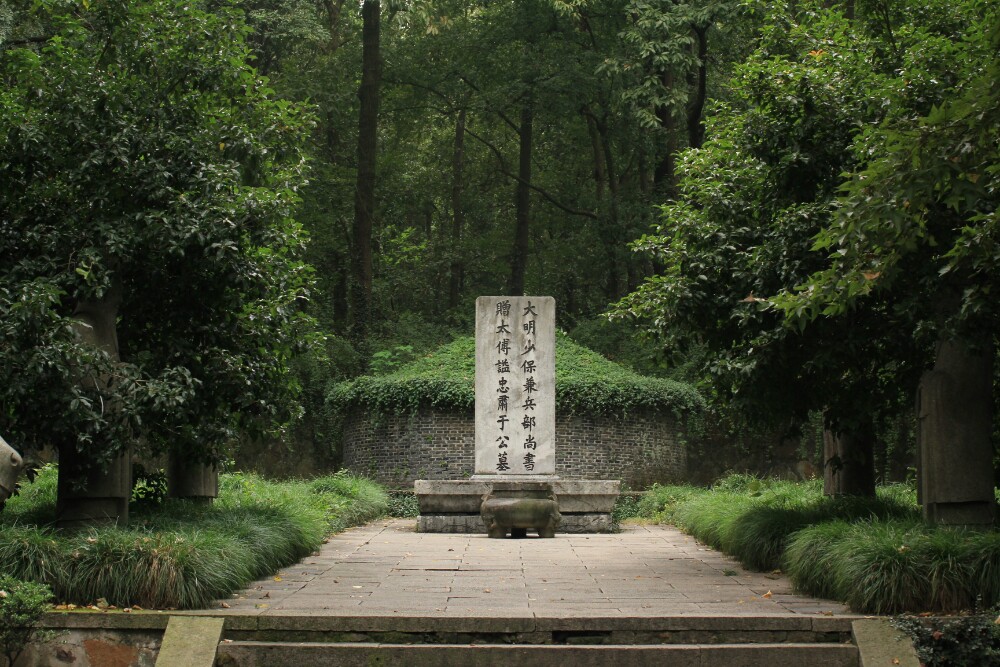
point(418, 422)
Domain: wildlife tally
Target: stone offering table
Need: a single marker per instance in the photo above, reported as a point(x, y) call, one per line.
point(454, 506)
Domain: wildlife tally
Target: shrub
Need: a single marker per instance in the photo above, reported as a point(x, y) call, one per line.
point(22, 604)
point(966, 641)
point(626, 507)
point(660, 502)
point(403, 505)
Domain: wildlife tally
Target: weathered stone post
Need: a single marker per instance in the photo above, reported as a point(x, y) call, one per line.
point(954, 411)
point(193, 480)
point(848, 463)
point(86, 493)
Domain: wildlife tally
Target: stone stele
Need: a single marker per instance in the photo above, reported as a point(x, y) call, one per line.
point(515, 386)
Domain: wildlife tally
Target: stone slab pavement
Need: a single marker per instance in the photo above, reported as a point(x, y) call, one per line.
point(386, 568)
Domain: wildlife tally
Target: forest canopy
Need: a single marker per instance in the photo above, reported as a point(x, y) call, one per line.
point(214, 213)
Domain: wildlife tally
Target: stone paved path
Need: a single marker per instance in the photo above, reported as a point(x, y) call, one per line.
point(386, 568)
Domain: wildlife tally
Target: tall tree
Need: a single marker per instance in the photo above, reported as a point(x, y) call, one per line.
point(752, 199)
point(150, 271)
point(917, 224)
point(364, 195)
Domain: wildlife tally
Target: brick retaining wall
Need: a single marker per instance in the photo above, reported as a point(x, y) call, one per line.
point(434, 444)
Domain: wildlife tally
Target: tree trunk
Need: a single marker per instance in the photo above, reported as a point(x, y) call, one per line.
point(597, 148)
point(86, 494)
point(849, 462)
point(364, 194)
point(663, 175)
point(954, 424)
point(457, 269)
point(696, 128)
point(519, 257)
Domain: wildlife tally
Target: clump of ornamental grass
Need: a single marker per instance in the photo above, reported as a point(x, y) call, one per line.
point(875, 554)
point(752, 519)
point(896, 565)
point(181, 554)
point(708, 516)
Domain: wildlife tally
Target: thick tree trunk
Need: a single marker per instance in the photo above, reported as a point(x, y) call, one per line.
point(696, 128)
point(457, 269)
point(663, 175)
point(849, 462)
point(86, 494)
point(522, 195)
point(364, 194)
point(954, 424)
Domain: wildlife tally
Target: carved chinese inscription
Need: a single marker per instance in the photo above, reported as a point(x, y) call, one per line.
point(515, 385)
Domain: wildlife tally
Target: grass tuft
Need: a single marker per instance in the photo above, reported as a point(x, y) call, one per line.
point(181, 554)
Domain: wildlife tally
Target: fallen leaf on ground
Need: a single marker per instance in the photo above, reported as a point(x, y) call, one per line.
point(767, 595)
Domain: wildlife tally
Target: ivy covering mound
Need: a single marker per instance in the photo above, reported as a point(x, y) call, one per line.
point(585, 382)
point(176, 553)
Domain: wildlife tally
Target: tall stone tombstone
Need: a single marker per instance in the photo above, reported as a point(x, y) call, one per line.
point(514, 487)
point(515, 386)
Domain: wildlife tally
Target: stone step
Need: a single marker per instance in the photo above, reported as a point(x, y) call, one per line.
point(479, 630)
point(290, 654)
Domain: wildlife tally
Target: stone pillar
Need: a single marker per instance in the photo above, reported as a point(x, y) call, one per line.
point(193, 480)
point(954, 423)
point(88, 495)
point(848, 463)
point(10, 469)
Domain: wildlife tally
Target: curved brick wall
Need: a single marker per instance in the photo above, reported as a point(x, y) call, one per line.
point(434, 444)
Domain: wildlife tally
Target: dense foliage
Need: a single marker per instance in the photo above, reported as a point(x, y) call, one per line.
point(825, 174)
point(22, 604)
point(180, 554)
point(768, 181)
point(955, 642)
point(585, 382)
point(149, 176)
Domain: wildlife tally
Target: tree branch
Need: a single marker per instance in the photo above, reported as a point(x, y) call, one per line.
point(508, 173)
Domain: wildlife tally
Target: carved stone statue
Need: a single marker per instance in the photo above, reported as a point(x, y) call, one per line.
point(10, 469)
